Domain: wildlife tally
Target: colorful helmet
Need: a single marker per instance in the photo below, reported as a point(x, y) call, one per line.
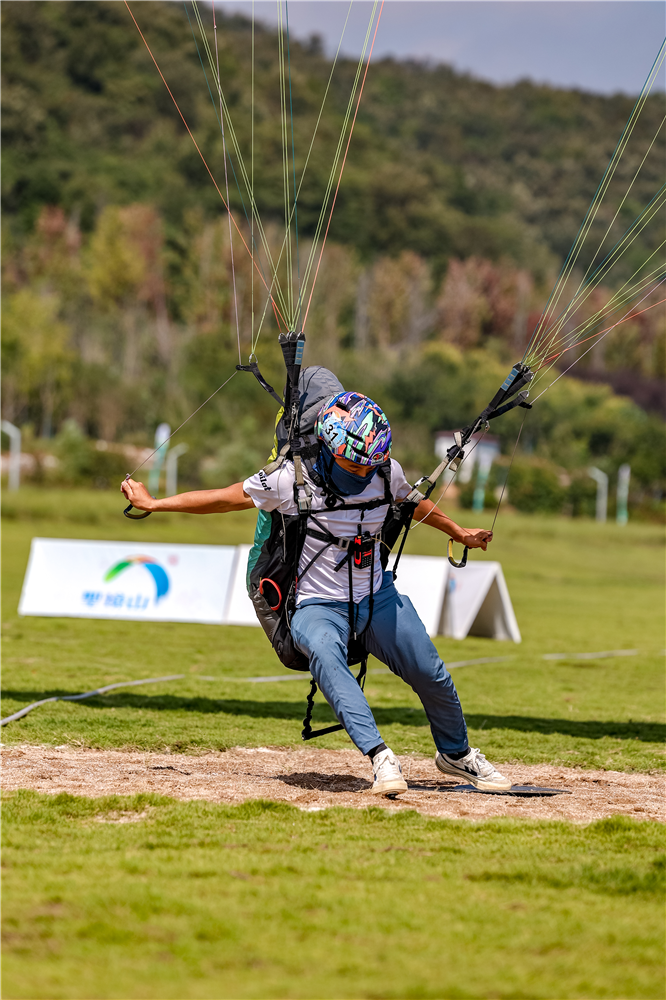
point(353, 427)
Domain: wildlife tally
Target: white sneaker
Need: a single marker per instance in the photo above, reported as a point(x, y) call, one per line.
point(388, 774)
point(476, 769)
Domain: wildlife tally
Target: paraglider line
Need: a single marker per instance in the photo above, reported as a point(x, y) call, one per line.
point(602, 333)
point(226, 188)
point(131, 475)
point(605, 334)
point(344, 160)
point(203, 159)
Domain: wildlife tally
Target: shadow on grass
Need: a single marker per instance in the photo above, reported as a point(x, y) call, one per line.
point(587, 729)
point(646, 732)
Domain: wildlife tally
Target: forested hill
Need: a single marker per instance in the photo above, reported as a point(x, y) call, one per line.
point(440, 163)
point(124, 306)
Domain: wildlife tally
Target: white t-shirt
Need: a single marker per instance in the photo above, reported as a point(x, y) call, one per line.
point(276, 492)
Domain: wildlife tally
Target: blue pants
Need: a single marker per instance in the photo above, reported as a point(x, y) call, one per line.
point(396, 636)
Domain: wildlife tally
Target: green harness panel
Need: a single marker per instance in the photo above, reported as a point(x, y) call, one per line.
point(261, 533)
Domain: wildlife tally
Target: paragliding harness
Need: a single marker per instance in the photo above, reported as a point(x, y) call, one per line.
point(279, 539)
point(273, 566)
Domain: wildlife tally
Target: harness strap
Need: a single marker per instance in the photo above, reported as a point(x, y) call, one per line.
point(315, 556)
point(368, 505)
point(454, 457)
point(277, 462)
point(342, 543)
point(348, 545)
point(350, 599)
point(307, 732)
point(254, 368)
point(302, 491)
point(520, 400)
point(406, 523)
point(371, 596)
point(357, 545)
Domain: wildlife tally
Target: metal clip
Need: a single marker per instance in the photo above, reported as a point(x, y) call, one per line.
point(416, 496)
point(303, 498)
point(302, 492)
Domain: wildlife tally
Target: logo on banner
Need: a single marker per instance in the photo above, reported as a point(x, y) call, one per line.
point(157, 572)
point(136, 602)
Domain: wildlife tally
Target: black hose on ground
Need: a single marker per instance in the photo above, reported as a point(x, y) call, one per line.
point(87, 694)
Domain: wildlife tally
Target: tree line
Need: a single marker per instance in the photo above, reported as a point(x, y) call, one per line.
point(458, 202)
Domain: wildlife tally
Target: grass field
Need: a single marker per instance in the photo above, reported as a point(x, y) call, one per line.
point(576, 587)
point(145, 897)
point(262, 900)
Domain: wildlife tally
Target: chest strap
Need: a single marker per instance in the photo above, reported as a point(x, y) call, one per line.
point(349, 545)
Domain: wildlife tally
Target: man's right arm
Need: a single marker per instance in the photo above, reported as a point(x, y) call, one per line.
point(197, 502)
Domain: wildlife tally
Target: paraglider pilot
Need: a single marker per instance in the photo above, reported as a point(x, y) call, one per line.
point(355, 441)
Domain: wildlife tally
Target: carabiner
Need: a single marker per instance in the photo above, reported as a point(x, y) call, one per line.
point(463, 561)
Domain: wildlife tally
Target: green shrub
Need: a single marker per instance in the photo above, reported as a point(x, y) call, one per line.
point(81, 463)
point(582, 495)
point(496, 479)
point(535, 486)
point(466, 494)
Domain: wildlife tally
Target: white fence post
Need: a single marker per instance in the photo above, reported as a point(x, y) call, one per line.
point(487, 451)
point(623, 477)
point(483, 471)
point(172, 468)
point(14, 435)
point(601, 480)
point(162, 435)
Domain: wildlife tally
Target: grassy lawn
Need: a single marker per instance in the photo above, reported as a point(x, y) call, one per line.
point(146, 897)
point(576, 586)
point(194, 900)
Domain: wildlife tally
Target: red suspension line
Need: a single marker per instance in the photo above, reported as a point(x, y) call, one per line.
point(278, 314)
point(344, 160)
point(626, 319)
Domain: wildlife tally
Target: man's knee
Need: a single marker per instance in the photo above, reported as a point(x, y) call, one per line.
point(317, 638)
point(325, 644)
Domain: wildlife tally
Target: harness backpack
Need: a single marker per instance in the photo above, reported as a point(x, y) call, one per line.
point(278, 538)
point(274, 559)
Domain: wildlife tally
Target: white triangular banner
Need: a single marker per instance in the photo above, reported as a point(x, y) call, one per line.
point(477, 603)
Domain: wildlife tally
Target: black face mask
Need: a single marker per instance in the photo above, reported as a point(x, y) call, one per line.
point(347, 484)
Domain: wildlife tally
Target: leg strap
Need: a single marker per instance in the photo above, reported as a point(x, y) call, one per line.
point(308, 733)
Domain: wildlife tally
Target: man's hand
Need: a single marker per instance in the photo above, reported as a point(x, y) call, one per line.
point(137, 494)
point(475, 538)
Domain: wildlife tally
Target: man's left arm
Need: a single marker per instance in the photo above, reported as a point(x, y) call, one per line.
point(473, 538)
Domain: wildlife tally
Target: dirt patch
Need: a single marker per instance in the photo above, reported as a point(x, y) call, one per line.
point(316, 779)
